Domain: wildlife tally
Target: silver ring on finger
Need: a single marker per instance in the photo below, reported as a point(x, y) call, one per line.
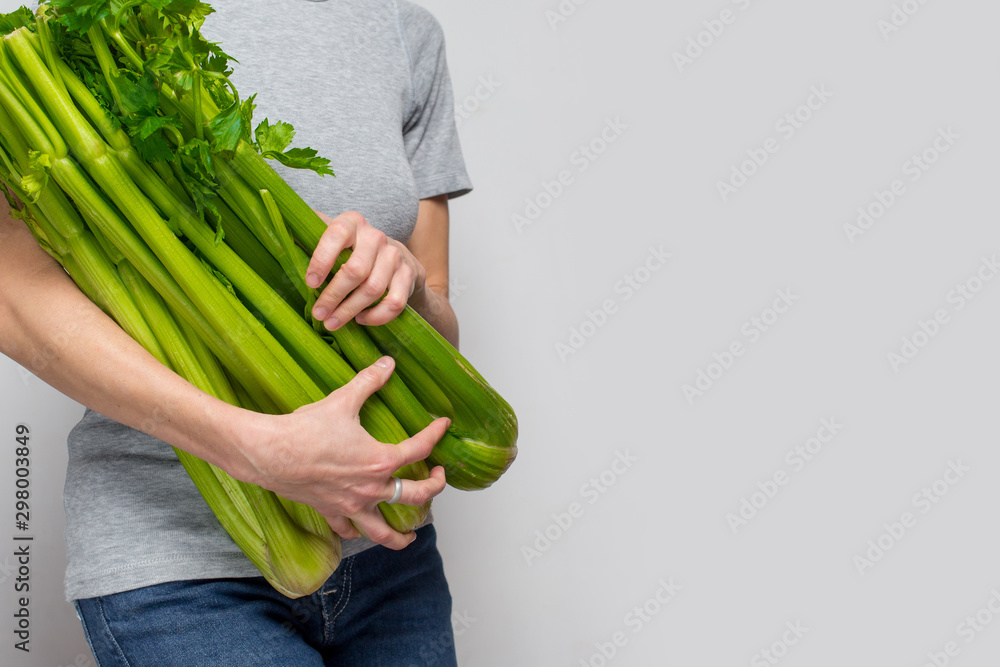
point(397, 493)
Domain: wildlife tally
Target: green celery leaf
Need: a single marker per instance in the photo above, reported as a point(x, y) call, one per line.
point(18, 18)
point(217, 61)
point(138, 94)
point(97, 85)
point(198, 174)
point(191, 11)
point(231, 125)
point(275, 137)
point(163, 55)
point(153, 148)
point(272, 140)
point(81, 15)
point(140, 107)
point(150, 124)
point(145, 124)
point(220, 276)
point(196, 158)
point(301, 158)
point(34, 181)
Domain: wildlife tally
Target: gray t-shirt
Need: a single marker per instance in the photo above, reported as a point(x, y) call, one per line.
point(365, 84)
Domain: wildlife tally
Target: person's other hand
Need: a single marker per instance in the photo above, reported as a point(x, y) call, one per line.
point(320, 455)
point(377, 263)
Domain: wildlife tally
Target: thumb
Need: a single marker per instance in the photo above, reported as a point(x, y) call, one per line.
point(419, 446)
point(367, 382)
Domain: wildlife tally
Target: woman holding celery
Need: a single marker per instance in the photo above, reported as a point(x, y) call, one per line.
point(154, 577)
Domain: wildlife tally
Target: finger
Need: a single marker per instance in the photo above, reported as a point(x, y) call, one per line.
point(418, 492)
point(367, 382)
point(348, 277)
point(368, 291)
point(419, 446)
point(339, 234)
point(374, 527)
point(367, 243)
point(343, 527)
point(393, 303)
point(391, 497)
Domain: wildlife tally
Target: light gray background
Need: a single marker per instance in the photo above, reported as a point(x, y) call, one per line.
point(536, 90)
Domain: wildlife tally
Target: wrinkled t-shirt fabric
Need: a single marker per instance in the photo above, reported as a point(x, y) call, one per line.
point(364, 83)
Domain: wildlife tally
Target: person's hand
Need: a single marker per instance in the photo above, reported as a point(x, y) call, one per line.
point(378, 263)
point(320, 455)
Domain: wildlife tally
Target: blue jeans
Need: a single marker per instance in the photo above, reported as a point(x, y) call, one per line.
point(381, 607)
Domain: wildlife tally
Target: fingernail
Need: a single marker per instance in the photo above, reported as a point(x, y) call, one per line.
point(321, 313)
point(312, 280)
point(332, 323)
point(383, 362)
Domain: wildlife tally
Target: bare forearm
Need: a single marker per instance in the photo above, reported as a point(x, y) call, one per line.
point(429, 244)
point(49, 327)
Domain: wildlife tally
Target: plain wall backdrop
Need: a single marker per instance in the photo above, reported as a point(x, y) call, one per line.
point(734, 264)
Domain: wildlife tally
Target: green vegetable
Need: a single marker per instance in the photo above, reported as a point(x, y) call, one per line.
point(141, 174)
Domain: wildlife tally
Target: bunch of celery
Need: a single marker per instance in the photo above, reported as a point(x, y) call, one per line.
point(139, 172)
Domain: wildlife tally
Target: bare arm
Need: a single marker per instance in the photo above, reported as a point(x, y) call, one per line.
point(343, 474)
point(429, 244)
